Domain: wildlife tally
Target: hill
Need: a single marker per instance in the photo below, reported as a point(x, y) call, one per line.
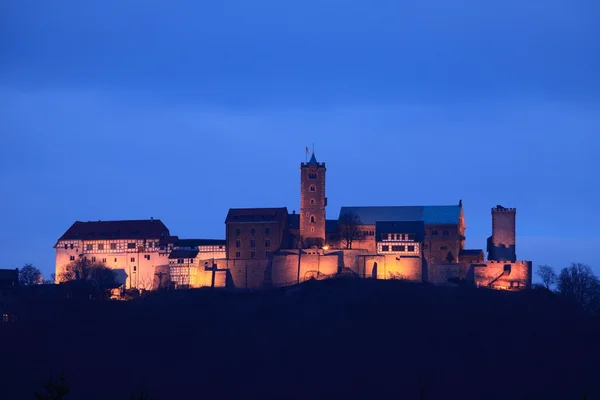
point(335, 338)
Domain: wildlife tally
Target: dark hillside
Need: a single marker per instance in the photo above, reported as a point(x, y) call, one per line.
point(351, 338)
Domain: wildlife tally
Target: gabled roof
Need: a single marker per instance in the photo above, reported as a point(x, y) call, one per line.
point(430, 215)
point(200, 242)
point(183, 254)
point(411, 227)
point(127, 229)
point(255, 214)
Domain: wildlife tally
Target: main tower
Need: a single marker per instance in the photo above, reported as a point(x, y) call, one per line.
point(312, 202)
point(502, 243)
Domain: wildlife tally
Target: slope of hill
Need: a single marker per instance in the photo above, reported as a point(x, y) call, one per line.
point(346, 337)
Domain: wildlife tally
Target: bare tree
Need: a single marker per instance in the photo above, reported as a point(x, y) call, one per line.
point(86, 270)
point(30, 275)
point(579, 284)
point(547, 275)
point(349, 226)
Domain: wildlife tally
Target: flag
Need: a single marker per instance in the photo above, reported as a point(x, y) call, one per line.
point(307, 150)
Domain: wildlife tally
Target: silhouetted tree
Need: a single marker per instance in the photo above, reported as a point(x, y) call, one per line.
point(578, 283)
point(310, 242)
point(547, 275)
point(349, 226)
point(30, 275)
point(86, 270)
point(55, 389)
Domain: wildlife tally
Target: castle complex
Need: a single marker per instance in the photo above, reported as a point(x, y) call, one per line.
point(268, 247)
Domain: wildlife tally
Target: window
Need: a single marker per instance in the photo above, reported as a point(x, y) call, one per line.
point(397, 248)
point(150, 244)
point(411, 237)
point(312, 202)
point(252, 254)
point(134, 268)
point(180, 261)
point(132, 259)
point(433, 233)
point(267, 254)
point(101, 246)
point(90, 247)
point(312, 188)
point(267, 231)
point(72, 258)
point(268, 243)
point(191, 260)
point(385, 248)
point(312, 219)
point(444, 248)
point(237, 232)
point(71, 245)
point(238, 243)
point(113, 246)
point(252, 231)
point(237, 254)
point(131, 245)
point(104, 260)
point(66, 246)
point(446, 233)
point(312, 176)
point(93, 259)
point(253, 243)
point(411, 248)
point(115, 260)
point(147, 256)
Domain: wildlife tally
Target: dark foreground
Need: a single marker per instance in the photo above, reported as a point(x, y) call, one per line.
point(329, 339)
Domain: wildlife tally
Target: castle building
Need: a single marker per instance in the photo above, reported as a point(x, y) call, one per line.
point(256, 233)
point(190, 257)
point(131, 248)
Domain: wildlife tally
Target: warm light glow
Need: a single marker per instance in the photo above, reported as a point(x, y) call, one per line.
point(325, 247)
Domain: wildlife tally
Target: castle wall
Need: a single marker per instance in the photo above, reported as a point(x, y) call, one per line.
point(442, 273)
point(504, 275)
point(390, 267)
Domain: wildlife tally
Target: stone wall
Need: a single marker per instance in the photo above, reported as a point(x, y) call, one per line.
point(504, 275)
point(390, 266)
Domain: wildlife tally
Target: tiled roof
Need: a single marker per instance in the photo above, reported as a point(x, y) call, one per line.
point(168, 240)
point(430, 215)
point(183, 254)
point(128, 229)
point(471, 252)
point(200, 242)
point(412, 227)
point(255, 214)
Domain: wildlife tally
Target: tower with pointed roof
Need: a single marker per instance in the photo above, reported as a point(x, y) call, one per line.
point(312, 202)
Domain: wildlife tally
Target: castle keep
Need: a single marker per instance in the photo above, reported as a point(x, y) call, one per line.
point(268, 247)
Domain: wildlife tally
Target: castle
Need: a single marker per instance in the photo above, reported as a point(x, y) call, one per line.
point(269, 247)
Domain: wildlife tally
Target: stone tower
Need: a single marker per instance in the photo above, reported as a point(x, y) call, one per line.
point(312, 202)
point(502, 243)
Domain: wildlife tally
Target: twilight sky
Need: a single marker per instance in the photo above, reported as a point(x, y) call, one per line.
point(179, 110)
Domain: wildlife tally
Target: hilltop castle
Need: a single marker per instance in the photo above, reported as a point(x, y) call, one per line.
point(266, 247)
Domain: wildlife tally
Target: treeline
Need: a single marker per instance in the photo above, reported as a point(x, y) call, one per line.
point(576, 283)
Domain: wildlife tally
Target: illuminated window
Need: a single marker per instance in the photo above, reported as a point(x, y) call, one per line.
point(113, 246)
point(90, 247)
point(101, 246)
point(237, 254)
point(313, 188)
point(72, 258)
point(131, 245)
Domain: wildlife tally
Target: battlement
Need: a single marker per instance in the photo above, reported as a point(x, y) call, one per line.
point(499, 208)
point(306, 165)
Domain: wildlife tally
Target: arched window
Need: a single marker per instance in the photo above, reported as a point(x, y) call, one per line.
point(312, 201)
point(312, 219)
point(313, 188)
point(312, 228)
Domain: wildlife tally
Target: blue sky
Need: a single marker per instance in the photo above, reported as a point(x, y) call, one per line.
point(180, 110)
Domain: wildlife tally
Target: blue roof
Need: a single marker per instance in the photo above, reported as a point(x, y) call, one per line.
point(430, 215)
